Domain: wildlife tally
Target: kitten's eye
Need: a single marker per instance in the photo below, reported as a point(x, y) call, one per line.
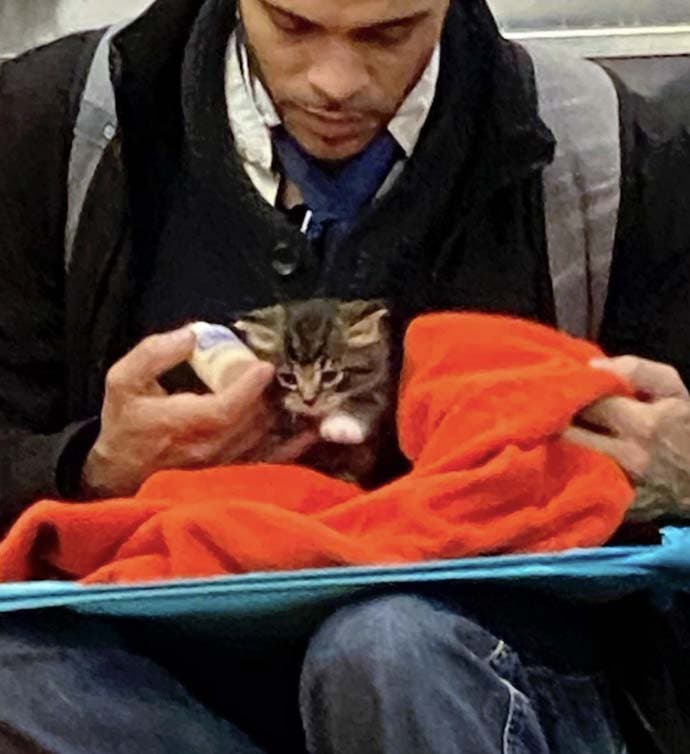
point(330, 377)
point(287, 379)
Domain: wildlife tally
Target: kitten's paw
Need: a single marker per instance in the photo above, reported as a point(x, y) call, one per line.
point(343, 429)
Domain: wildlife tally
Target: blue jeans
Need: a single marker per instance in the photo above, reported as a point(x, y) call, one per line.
point(407, 675)
point(401, 674)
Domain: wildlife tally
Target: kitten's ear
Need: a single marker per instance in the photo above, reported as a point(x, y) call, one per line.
point(262, 329)
point(365, 328)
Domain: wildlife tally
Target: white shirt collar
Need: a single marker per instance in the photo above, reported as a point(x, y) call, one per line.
point(252, 113)
point(406, 125)
point(249, 128)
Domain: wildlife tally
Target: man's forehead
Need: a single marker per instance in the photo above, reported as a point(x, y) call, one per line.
point(345, 14)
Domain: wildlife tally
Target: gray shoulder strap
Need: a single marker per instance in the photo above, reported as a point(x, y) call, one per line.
point(579, 104)
point(95, 127)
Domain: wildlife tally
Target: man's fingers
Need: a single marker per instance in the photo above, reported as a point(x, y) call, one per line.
point(154, 356)
point(187, 416)
point(622, 416)
point(610, 446)
point(206, 453)
point(293, 449)
point(628, 454)
point(241, 403)
point(243, 449)
point(246, 390)
point(649, 377)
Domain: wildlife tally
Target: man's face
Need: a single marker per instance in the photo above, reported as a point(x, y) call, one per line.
point(338, 70)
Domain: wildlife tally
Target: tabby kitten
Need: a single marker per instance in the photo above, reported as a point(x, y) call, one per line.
point(333, 371)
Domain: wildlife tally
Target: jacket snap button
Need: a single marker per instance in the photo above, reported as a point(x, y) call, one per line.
point(286, 259)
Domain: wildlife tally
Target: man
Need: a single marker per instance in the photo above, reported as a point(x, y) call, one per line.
point(282, 149)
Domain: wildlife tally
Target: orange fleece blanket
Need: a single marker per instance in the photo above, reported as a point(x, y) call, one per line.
point(482, 403)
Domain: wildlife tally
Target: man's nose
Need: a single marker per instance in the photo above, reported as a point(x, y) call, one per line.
point(338, 72)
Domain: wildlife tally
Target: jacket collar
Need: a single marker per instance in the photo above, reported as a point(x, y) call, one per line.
point(144, 47)
point(510, 139)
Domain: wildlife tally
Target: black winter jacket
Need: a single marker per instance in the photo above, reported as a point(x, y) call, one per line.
point(59, 334)
point(475, 240)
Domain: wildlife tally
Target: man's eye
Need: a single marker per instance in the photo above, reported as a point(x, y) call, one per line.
point(384, 37)
point(292, 24)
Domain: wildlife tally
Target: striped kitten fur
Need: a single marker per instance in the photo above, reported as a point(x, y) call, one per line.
point(333, 372)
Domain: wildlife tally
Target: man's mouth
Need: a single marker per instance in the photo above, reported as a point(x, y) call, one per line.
point(329, 116)
point(334, 126)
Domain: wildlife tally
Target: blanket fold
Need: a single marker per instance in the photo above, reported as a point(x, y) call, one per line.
point(483, 401)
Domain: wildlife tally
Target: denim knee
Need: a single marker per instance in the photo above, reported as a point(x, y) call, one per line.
point(406, 674)
point(393, 637)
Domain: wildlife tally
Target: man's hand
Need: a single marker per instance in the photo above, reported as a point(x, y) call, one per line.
point(144, 430)
point(649, 437)
point(650, 379)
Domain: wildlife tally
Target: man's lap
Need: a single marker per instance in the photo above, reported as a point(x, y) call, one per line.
point(467, 690)
point(73, 685)
point(66, 676)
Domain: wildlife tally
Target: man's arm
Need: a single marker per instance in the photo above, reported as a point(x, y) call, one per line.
point(648, 309)
point(649, 438)
point(36, 121)
point(141, 429)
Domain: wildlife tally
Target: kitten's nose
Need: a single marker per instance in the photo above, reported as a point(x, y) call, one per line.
point(309, 401)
